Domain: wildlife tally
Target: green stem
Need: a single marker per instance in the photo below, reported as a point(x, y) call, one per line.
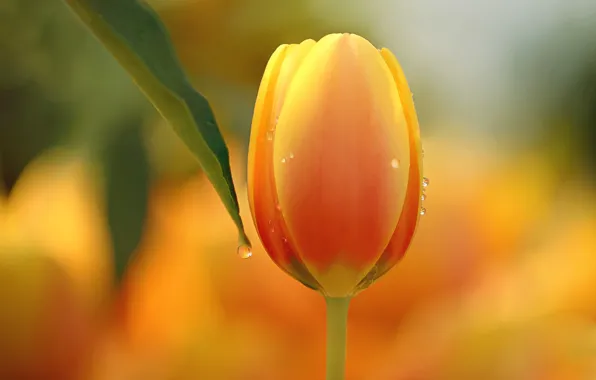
point(337, 326)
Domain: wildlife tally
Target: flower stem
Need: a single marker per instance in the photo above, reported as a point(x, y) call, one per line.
point(337, 326)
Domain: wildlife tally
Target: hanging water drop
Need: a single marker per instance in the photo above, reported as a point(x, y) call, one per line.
point(422, 211)
point(425, 182)
point(270, 135)
point(423, 197)
point(395, 163)
point(291, 155)
point(283, 160)
point(244, 251)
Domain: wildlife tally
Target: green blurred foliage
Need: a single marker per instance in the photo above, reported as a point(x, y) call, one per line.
point(556, 96)
point(128, 180)
point(57, 84)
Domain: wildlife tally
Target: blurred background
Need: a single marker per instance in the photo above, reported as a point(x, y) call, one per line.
point(500, 282)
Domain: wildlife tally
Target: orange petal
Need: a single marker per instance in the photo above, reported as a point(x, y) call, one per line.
point(411, 211)
point(261, 186)
point(341, 156)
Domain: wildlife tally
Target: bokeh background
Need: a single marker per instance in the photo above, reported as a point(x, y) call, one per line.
point(500, 282)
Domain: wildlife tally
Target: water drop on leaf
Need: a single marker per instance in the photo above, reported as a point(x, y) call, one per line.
point(244, 251)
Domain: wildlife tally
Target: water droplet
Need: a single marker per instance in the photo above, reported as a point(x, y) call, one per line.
point(283, 160)
point(423, 197)
point(270, 135)
point(278, 207)
point(395, 163)
point(291, 155)
point(284, 240)
point(425, 182)
point(422, 211)
point(244, 251)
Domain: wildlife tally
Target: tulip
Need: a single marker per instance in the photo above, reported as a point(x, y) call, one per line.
point(335, 167)
point(334, 170)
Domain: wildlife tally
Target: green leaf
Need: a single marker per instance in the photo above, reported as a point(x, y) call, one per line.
point(136, 37)
point(127, 191)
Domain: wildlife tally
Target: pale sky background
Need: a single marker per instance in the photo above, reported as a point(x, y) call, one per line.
point(472, 48)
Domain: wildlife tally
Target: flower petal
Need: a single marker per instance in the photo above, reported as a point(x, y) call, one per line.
point(341, 159)
point(261, 186)
point(410, 215)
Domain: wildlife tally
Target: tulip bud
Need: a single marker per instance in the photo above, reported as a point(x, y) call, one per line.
point(335, 166)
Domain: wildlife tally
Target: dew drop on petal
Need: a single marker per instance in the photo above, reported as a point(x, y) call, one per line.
point(425, 182)
point(291, 155)
point(283, 160)
point(244, 251)
point(395, 163)
point(270, 135)
point(423, 197)
point(422, 211)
